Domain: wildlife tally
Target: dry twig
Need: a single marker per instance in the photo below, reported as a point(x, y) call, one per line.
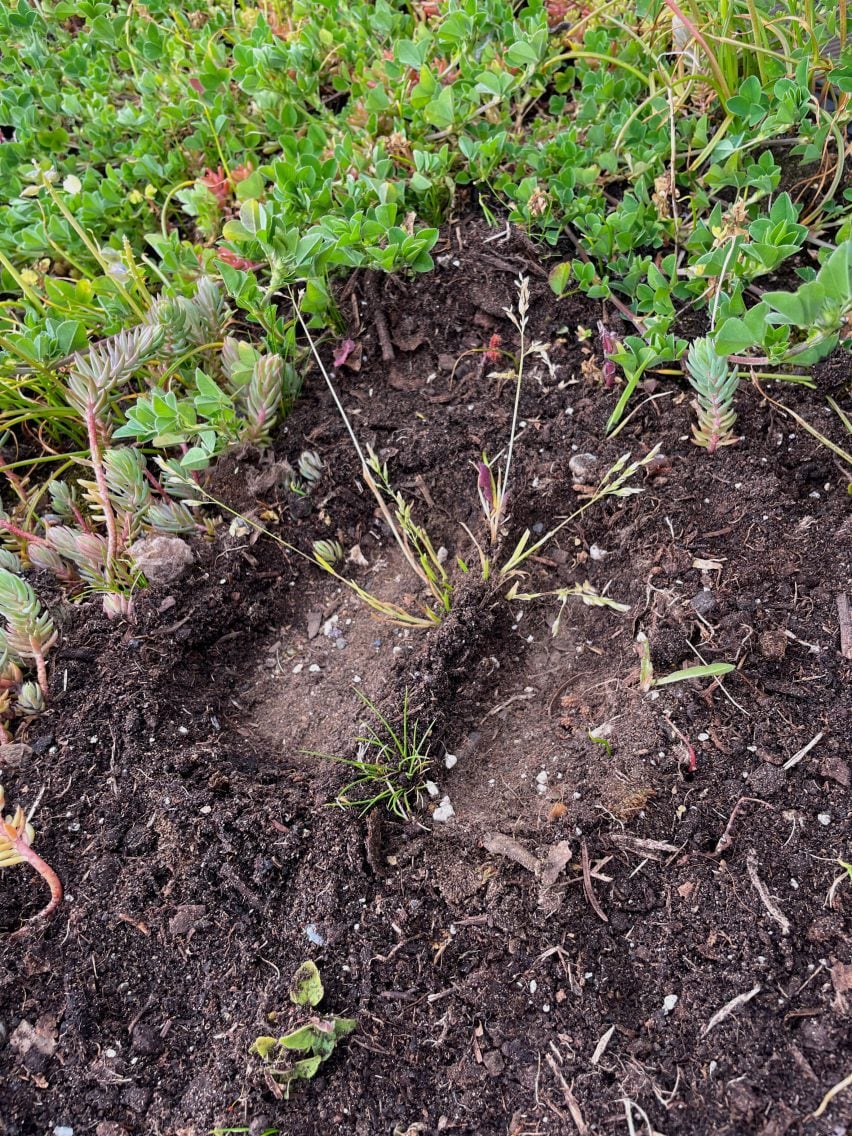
point(587, 883)
point(570, 1099)
point(729, 1009)
point(763, 891)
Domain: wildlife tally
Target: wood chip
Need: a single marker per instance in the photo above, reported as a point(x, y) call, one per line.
point(557, 859)
point(600, 1048)
point(730, 1008)
point(844, 613)
point(500, 845)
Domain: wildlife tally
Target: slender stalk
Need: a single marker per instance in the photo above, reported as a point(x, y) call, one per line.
point(724, 89)
point(41, 667)
point(30, 538)
point(612, 60)
point(93, 249)
point(25, 288)
point(103, 489)
point(522, 326)
point(365, 469)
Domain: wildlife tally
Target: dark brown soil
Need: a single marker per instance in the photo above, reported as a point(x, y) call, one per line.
point(199, 858)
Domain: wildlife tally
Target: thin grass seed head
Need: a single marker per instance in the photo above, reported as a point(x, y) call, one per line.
point(715, 385)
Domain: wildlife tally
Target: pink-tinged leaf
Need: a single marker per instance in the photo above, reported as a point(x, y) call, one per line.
point(484, 483)
point(196, 85)
point(235, 261)
point(343, 352)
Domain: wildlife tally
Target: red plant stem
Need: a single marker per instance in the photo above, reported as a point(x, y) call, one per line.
point(30, 538)
point(100, 479)
point(41, 668)
point(155, 483)
point(81, 520)
point(45, 871)
point(690, 749)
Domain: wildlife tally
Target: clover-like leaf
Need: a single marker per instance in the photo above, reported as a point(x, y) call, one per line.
point(306, 987)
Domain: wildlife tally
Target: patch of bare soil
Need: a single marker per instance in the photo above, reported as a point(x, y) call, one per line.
point(635, 920)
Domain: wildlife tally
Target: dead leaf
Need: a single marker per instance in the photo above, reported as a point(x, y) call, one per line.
point(41, 1037)
point(557, 859)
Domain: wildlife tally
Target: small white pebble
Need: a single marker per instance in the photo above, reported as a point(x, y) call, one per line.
point(444, 811)
point(314, 668)
point(541, 777)
point(533, 986)
point(183, 730)
point(432, 789)
point(299, 667)
point(205, 809)
point(669, 1003)
point(450, 760)
point(824, 819)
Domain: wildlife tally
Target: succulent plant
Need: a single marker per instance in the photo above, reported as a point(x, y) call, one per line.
point(16, 838)
point(715, 385)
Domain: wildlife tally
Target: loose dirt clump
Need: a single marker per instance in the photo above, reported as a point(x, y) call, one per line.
point(635, 919)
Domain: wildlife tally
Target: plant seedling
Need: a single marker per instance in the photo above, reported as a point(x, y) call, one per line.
point(29, 632)
point(715, 385)
point(392, 765)
point(16, 837)
point(316, 1037)
point(646, 668)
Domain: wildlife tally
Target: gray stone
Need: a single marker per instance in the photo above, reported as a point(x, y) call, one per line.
point(162, 559)
point(583, 467)
point(14, 755)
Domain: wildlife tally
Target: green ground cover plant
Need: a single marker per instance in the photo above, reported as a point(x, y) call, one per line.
point(171, 175)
